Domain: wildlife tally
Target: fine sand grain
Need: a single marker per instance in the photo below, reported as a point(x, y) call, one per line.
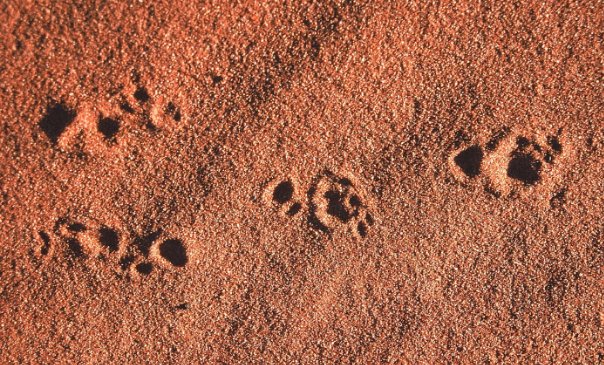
point(299, 182)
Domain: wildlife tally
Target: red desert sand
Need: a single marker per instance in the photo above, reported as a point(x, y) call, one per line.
point(295, 182)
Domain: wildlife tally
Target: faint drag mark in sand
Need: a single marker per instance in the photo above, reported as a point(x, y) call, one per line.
point(88, 239)
point(331, 203)
point(512, 163)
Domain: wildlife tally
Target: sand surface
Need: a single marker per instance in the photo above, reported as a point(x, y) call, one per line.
point(295, 182)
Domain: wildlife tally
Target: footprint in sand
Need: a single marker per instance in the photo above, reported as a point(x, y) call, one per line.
point(337, 203)
point(284, 195)
point(152, 112)
point(91, 240)
point(511, 163)
point(94, 128)
point(333, 203)
point(82, 130)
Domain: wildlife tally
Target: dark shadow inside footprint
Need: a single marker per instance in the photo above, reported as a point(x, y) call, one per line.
point(362, 229)
point(126, 261)
point(144, 268)
point(548, 157)
point(522, 142)
point(144, 243)
point(559, 199)
point(76, 247)
point(45, 248)
point(294, 209)
point(109, 238)
point(173, 111)
point(554, 143)
point(76, 227)
point(354, 201)
point(283, 192)
point(217, 79)
point(345, 182)
point(58, 117)
point(525, 168)
point(108, 127)
point(141, 95)
point(497, 137)
point(127, 107)
point(174, 252)
point(312, 219)
point(469, 160)
point(336, 205)
point(369, 219)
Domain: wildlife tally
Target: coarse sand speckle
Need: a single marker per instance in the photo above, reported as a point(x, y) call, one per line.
point(272, 182)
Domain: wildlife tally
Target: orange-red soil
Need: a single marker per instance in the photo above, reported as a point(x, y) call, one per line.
point(299, 182)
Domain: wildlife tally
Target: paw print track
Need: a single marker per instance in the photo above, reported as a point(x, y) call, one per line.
point(283, 195)
point(509, 162)
point(525, 164)
point(152, 112)
point(56, 120)
point(84, 241)
point(332, 203)
point(90, 240)
point(335, 202)
point(81, 130)
point(93, 128)
point(469, 160)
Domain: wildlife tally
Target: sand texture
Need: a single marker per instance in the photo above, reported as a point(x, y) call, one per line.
point(335, 182)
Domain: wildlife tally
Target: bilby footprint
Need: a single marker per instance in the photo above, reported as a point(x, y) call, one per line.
point(331, 203)
point(154, 112)
point(336, 202)
point(507, 160)
point(283, 194)
point(86, 241)
point(71, 128)
point(79, 129)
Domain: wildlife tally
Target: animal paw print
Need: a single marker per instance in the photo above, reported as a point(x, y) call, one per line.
point(81, 129)
point(331, 203)
point(336, 202)
point(146, 248)
point(154, 113)
point(93, 127)
point(98, 241)
point(510, 162)
point(283, 194)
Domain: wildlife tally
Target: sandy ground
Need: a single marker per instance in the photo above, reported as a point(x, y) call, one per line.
point(292, 182)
